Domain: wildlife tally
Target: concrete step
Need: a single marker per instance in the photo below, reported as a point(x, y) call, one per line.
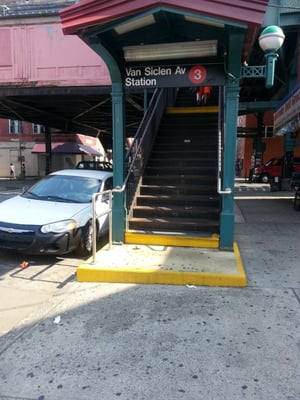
point(183, 199)
point(162, 224)
point(175, 211)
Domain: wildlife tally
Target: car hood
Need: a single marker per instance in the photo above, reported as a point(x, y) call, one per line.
point(19, 210)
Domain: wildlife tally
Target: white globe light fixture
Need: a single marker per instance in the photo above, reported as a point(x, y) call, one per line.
point(270, 40)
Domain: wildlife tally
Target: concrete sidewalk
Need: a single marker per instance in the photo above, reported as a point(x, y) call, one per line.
point(94, 341)
point(152, 264)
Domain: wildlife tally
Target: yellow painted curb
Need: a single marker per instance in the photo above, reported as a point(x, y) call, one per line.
point(169, 240)
point(192, 110)
point(239, 264)
point(91, 273)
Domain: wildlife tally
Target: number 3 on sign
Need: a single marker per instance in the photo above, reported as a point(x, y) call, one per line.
point(197, 74)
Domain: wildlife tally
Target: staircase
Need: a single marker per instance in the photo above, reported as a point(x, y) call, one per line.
point(178, 191)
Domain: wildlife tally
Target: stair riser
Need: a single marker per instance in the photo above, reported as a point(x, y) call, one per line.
point(200, 167)
point(188, 164)
point(180, 155)
point(179, 180)
point(170, 227)
point(167, 150)
point(171, 201)
point(176, 213)
point(176, 130)
point(191, 119)
point(154, 190)
point(181, 147)
point(181, 170)
point(185, 140)
point(174, 156)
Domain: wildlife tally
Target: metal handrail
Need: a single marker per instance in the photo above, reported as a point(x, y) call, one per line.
point(219, 188)
point(139, 151)
point(157, 100)
point(139, 138)
point(108, 211)
point(94, 219)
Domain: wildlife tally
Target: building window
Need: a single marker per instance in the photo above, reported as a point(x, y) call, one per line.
point(268, 131)
point(15, 127)
point(38, 129)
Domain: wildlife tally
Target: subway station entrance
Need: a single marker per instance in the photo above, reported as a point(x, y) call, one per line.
point(175, 177)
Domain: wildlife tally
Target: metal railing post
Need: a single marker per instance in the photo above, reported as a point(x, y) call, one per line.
point(94, 219)
point(95, 195)
point(219, 177)
point(110, 220)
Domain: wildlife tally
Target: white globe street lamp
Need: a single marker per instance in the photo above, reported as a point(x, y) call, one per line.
point(270, 41)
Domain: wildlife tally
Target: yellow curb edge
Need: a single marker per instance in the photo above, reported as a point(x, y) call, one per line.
point(168, 240)
point(91, 273)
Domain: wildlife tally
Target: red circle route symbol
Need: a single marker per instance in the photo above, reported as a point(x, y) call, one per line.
point(197, 74)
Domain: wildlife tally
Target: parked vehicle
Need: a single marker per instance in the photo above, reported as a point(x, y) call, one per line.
point(54, 216)
point(273, 168)
point(99, 165)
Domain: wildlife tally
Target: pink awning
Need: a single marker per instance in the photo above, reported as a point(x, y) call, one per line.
point(67, 148)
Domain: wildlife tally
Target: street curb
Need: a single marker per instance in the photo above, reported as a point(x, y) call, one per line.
point(88, 272)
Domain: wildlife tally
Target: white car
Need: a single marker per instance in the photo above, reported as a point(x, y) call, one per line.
point(54, 216)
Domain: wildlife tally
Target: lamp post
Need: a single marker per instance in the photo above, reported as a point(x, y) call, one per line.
point(270, 41)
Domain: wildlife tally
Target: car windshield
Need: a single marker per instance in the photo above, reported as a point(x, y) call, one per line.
point(64, 188)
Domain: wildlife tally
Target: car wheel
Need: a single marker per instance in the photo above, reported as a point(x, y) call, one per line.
point(265, 179)
point(297, 201)
point(86, 244)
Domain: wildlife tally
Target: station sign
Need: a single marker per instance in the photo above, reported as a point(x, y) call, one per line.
point(159, 76)
point(287, 114)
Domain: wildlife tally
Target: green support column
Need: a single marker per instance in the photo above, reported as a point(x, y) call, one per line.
point(118, 125)
point(231, 116)
point(118, 114)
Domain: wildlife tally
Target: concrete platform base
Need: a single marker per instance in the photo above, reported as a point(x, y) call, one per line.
point(154, 264)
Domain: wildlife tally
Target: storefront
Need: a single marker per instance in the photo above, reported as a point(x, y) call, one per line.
point(68, 152)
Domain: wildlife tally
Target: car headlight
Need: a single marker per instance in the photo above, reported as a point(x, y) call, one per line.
point(60, 226)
